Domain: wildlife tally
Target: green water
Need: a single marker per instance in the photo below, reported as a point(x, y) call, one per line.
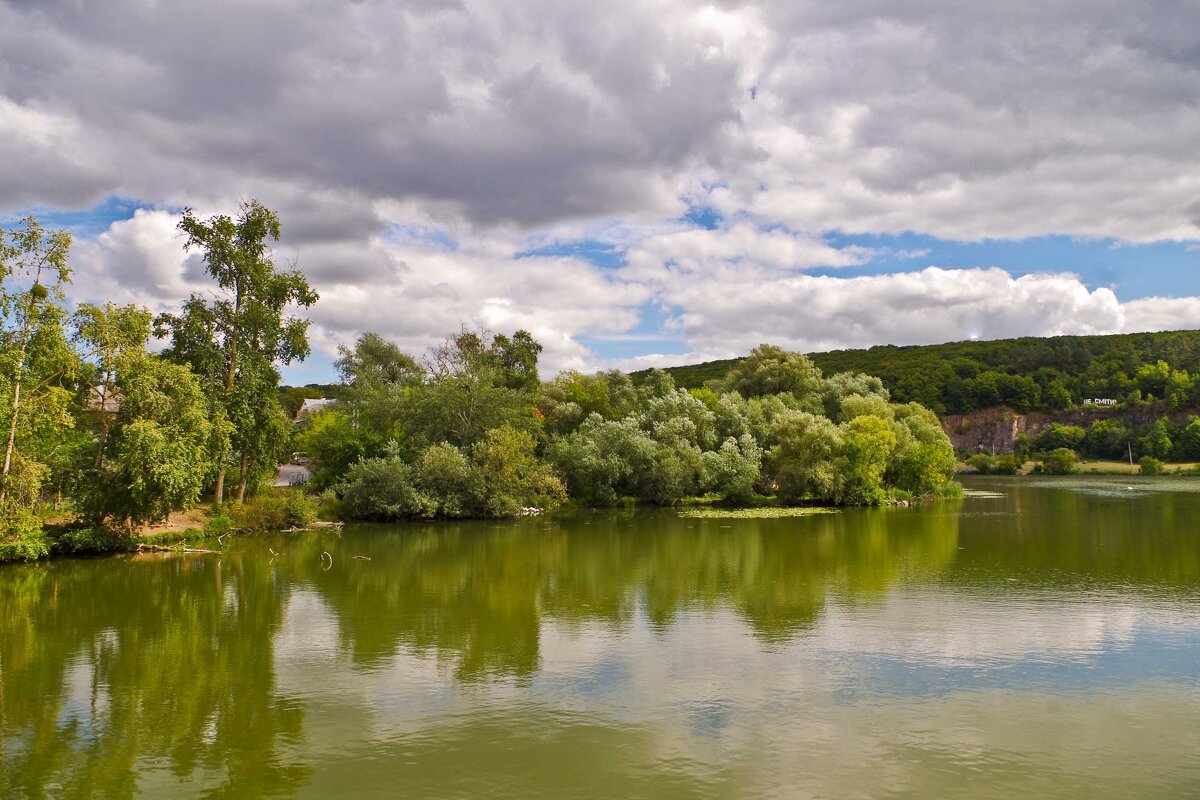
point(1040, 640)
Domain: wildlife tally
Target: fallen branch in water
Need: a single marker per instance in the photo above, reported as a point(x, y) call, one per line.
point(363, 558)
point(324, 555)
point(163, 548)
point(316, 526)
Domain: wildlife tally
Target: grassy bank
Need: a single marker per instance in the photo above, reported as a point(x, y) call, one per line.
point(273, 510)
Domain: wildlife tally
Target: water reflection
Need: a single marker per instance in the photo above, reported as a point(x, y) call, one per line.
point(629, 654)
point(108, 663)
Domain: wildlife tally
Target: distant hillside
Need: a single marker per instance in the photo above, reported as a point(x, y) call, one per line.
point(1028, 374)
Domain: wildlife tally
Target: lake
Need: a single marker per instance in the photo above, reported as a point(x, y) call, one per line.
point(1039, 638)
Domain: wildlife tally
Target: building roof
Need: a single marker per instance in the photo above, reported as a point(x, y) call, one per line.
point(312, 405)
point(104, 397)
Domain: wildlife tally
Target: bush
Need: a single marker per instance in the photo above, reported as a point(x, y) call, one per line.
point(1149, 465)
point(273, 511)
point(1060, 461)
point(443, 475)
point(382, 489)
point(22, 537)
point(981, 463)
point(219, 525)
point(508, 476)
point(97, 539)
point(1007, 465)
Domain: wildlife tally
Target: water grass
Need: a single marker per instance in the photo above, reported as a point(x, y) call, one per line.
point(763, 512)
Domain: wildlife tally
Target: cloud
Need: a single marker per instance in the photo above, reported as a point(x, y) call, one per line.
point(721, 291)
point(414, 292)
point(946, 119)
point(412, 149)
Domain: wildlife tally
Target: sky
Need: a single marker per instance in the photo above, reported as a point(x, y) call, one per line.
point(636, 184)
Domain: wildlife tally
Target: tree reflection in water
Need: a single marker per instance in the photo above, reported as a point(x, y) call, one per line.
point(123, 673)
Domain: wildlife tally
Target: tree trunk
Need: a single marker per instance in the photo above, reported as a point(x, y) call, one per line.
point(12, 434)
point(242, 475)
point(26, 324)
point(103, 420)
point(219, 490)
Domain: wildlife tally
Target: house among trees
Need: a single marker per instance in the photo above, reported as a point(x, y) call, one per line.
point(311, 406)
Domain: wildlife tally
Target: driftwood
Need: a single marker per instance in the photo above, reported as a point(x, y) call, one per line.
point(363, 558)
point(164, 548)
point(316, 526)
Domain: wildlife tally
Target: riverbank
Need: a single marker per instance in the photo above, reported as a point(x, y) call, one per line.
point(1097, 467)
point(279, 509)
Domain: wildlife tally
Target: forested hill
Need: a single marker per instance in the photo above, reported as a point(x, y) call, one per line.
point(1030, 373)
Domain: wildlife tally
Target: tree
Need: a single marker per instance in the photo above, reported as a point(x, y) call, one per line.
point(1060, 461)
point(374, 362)
point(602, 458)
point(869, 442)
point(237, 339)
point(806, 459)
point(771, 370)
point(923, 458)
point(333, 443)
point(1156, 441)
point(444, 475)
point(734, 469)
point(1187, 448)
point(475, 383)
point(1107, 438)
point(1056, 436)
point(383, 489)
point(843, 385)
point(35, 360)
point(156, 456)
point(109, 335)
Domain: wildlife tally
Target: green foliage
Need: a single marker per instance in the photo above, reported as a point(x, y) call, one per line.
point(502, 477)
point(869, 443)
point(1007, 465)
point(333, 442)
point(602, 459)
point(1069, 436)
point(981, 463)
point(509, 477)
point(734, 469)
point(1156, 441)
point(1028, 374)
point(1187, 441)
point(219, 525)
point(22, 537)
point(1107, 438)
point(234, 340)
point(274, 510)
point(1149, 465)
point(444, 475)
point(1061, 461)
point(155, 456)
point(475, 383)
point(382, 489)
point(806, 459)
point(771, 370)
point(37, 364)
point(94, 540)
point(985, 464)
